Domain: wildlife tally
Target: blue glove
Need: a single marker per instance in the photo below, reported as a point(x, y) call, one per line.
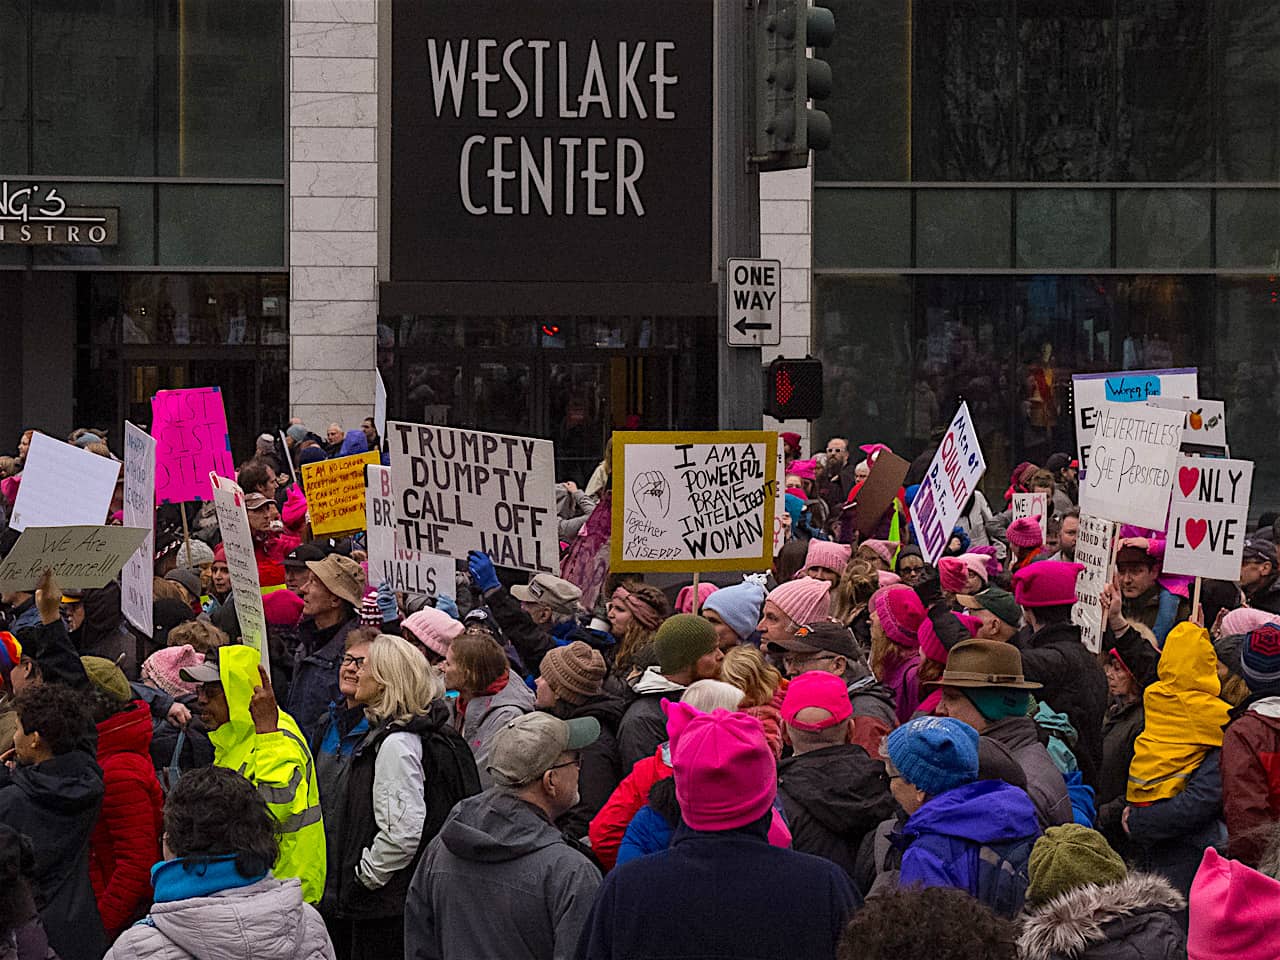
point(482, 572)
point(448, 605)
point(387, 603)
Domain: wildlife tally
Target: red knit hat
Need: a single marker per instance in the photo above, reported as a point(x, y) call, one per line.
point(900, 613)
point(1049, 583)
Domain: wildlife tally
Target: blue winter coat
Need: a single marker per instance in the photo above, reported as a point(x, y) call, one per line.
point(950, 840)
point(648, 832)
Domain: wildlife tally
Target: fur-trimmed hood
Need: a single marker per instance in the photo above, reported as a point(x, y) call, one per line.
point(1074, 921)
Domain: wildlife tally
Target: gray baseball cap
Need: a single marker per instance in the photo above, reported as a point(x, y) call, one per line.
point(560, 595)
point(525, 748)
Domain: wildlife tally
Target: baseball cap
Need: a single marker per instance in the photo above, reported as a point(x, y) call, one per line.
point(341, 576)
point(820, 690)
point(206, 672)
point(999, 602)
point(560, 595)
point(1260, 549)
point(525, 748)
point(823, 635)
point(484, 619)
point(298, 557)
point(256, 501)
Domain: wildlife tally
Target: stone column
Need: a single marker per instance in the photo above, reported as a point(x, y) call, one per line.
point(333, 210)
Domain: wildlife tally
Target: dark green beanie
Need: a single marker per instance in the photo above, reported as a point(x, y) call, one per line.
point(998, 703)
point(1070, 856)
point(681, 641)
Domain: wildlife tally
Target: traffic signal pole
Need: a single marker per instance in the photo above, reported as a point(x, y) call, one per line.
point(737, 206)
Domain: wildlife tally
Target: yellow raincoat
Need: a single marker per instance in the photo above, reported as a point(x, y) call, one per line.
point(279, 764)
point(1184, 717)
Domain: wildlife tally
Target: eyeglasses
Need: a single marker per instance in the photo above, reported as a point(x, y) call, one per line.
point(575, 762)
point(350, 661)
point(794, 660)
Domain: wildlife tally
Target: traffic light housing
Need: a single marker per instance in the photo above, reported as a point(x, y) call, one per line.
point(786, 79)
point(793, 389)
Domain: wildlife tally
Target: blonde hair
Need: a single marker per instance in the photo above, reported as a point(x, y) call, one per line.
point(746, 668)
point(708, 695)
point(884, 652)
point(852, 594)
point(406, 685)
point(200, 634)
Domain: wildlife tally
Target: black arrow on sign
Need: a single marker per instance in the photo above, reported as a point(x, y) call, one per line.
point(742, 326)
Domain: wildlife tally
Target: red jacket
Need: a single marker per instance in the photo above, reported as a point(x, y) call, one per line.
point(610, 824)
point(126, 839)
point(1251, 779)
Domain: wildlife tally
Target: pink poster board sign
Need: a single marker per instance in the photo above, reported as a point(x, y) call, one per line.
point(190, 429)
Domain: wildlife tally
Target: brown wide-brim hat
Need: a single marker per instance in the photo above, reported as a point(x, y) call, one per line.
point(984, 663)
point(341, 576)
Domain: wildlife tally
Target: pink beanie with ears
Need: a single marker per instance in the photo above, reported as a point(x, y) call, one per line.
point(1025, 533)
point(1234, 911)
point(832, 556)
point(726, 774)
point(900, 613)
point(432, 628)
point(804, 600)
point(684, 599)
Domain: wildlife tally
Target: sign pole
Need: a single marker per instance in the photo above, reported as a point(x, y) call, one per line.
point(696, 604)
point(1195, 599)
point(186, 531)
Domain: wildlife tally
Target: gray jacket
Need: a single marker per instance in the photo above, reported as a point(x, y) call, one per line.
point(485, 715)
point(266, 920)
point(498, 881)
point(1045, 785)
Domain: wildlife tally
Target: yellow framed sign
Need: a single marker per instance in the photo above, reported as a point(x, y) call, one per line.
point(693, 501)
point(335, 493)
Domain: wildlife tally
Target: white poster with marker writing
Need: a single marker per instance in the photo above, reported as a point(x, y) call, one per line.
point(63, 485)
point(952, 477)
point(237, 542)
point(1130, 478)
point(1034, 505)
point(1093, 550)
point(407, 571)
point(81, 557)
point(1208, 518)
point(1092, 390)
point(138, 576)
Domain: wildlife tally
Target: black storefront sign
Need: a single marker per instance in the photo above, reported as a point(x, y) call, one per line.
point(32, 215)
point(551, 141)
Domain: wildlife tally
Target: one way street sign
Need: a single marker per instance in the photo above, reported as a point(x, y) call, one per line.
point(754, 292)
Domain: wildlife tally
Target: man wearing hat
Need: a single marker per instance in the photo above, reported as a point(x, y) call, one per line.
point(1260, 574)
point(1251, 750)
point(269, 542)
point(997, 609)
point(295, 563)
point(330, 610)
point(983, 686)
point(1144, 600)
point(500, 880)
point(1053, 656)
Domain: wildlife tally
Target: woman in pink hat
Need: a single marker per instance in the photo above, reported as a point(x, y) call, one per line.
point(896, 616)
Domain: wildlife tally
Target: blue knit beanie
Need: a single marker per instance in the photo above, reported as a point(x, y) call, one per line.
point(1260, 659)
point(739, 606)
point(935, 754)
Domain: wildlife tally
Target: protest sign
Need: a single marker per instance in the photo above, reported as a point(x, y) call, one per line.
point(136, 593)
point(693, 501)
point(190, 428)
point(1205, 429)
point(460, 490)
point(1130, 479)
point(237, 542)
point(408, 571)
point(952, 477)
point(1091, 390)
point(879, 490)
point(81, 557)
point(1035, 505)
point(1093, 550)
point(380, 406)
point(63, 485)
point(781, 529)
point(335, 493)
point(1208, 517)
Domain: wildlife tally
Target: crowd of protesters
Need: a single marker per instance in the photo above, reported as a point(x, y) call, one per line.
point(857, 754)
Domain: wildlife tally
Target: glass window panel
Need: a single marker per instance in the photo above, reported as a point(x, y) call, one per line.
point(136, 235)
point(1162, 228)
point(221, 68)
point(14, 126)
point(430, 392)
point(969, 228)
point(94, 88)
point(1064, 228)
point(578, 398)
point(963, 98)
point(223, 226)
point(1248, 228)
point(862, 228)
point(1248, 40)
point(870, 104)
point(502, 397)
point(232, 310)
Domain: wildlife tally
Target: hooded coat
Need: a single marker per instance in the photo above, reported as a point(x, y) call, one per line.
point(1045, 785)
point(485, 716)
point(1133, 919)
point(500, 852)
point(56, 804)
point(833, 797)
point(1251, 777)
point(126, 839)
point(644, 725)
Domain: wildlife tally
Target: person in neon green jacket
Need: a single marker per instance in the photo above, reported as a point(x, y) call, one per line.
point(254, 737)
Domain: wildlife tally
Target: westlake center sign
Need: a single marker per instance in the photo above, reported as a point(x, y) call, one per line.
point(563, 140)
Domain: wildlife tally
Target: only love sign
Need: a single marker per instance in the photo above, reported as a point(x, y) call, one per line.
point(1208, 517)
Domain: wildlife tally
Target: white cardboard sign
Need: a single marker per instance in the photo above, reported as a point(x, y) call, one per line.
point(1130, 478)
point(1209, 517)
point(1034, 505)
point(1093, 549)
point(1205, 430)
point(237, 541)
point(82, 557)
point(1092, 390)
point(952, 477)
point(136, 591)
point(63, 485)
point(408, 571)
point(780, 528)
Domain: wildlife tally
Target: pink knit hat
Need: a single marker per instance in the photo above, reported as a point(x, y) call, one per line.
point(804, 600)
point(282, 608)
point(726, 775)
point(900, 612)
point(804, 469)
point(1024, 532)
point(684, 599)
point(931, 644)
point(432, 628)
point(953, 574)
point(832, 556)
point(1243, 619)
point(1234, 912)
point(1049, 583)
point(160, 670)
point(881, 548)
point(887, 578)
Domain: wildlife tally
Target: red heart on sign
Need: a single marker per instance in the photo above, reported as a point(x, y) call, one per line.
point(1188, 477)
point(1195, 531)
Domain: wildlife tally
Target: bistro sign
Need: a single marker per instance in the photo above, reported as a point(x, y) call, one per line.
point(33, 215)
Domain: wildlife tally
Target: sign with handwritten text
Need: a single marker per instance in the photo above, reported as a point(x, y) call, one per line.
point(81, 557)
point(1036, 506)
point(952, 477)
point(1093, 550)
point(1208, 517)
point(237, 542)
point(190, 427)
point(63, 485)
point(1091, 390)
point(138, 575)
point(408, 571)
point(335, 493)
point(1130, 477)
point(694, 501)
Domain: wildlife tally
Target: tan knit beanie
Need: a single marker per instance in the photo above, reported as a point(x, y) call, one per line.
point(575, 672)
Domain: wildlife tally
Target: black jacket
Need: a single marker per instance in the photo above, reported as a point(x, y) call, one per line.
point(1074, 684)
point(601, 769)
point(56, 804)
point(832, 798)
point(1267, 596)
point(315, 672)
point(1120, 728)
